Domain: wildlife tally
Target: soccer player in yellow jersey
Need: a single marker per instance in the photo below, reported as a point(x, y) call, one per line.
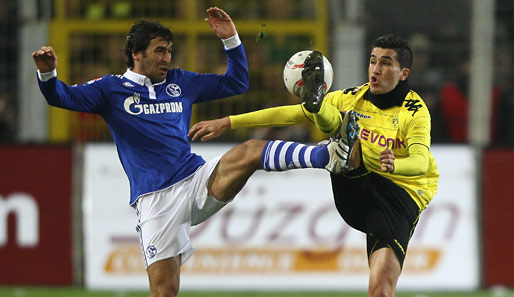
point(391, 175)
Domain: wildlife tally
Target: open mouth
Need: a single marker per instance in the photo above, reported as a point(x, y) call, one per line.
point(163, 70)
point(374, 80)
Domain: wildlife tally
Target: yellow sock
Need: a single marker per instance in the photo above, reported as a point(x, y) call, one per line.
point(328, 119)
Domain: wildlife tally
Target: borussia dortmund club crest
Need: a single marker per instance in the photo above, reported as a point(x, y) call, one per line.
point(396, 121)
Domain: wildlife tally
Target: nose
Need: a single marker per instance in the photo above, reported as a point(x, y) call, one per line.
point(375, 68)
point(167, 57)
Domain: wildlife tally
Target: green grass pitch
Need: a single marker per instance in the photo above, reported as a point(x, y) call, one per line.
point(75, 292)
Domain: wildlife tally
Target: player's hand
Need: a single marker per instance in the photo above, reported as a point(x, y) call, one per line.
point(386, 159)
point(45, 59)
point(209, 129)
point(220, 22)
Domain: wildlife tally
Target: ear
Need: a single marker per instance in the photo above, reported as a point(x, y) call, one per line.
point(404, 74)
point(137, 56)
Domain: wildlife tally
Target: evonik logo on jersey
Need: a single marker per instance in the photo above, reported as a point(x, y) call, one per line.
point(381, 140)
point(134, 106)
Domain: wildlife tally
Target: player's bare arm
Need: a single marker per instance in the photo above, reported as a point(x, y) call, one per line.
point(386, 158)
point(45, 59)
point(208, 130)
point(220, 22)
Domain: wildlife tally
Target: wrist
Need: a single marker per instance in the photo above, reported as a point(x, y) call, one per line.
point(231, 42)
point(44, 76)
point(226, 122)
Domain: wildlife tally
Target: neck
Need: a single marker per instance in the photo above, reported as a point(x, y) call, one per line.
point(393, 98)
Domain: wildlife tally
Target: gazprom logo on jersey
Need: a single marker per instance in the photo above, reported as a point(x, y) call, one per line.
point(133, 106)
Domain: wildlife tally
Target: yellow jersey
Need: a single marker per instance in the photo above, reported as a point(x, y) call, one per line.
point(396, 127)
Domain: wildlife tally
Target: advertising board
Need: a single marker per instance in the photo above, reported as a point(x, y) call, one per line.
point(283, 231)
point(35, 215)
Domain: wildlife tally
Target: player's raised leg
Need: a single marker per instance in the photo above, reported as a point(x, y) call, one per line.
point(234, 169)
point(237, 165)
point(327, 117)
point(313, 89)
point(281, 155)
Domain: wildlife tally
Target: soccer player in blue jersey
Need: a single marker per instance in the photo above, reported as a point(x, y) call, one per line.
point(148, 111)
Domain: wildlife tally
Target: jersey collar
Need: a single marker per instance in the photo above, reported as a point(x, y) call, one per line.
point(393, 98)
point(139, 78)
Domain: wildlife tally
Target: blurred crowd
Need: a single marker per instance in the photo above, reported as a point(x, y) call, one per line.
point(8, 108)
point(438, 31)
point(440, 72)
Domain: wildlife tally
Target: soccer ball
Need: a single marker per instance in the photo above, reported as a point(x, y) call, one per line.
point(293, 73)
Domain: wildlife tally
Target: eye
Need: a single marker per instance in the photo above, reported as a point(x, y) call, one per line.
point(160, 49)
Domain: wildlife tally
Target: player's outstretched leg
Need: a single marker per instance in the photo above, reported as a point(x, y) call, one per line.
point(334, 155)
point(313, 90)
point(284, 155)
point(281, 155)
point(344, 147)
point(339, 155)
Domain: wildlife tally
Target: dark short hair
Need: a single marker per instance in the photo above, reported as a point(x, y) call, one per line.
point(399, 45)
point(140, 36)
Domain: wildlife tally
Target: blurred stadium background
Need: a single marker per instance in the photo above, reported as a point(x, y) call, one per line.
point(53, 177)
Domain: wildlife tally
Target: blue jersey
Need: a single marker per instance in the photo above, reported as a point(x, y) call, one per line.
point(149, 123)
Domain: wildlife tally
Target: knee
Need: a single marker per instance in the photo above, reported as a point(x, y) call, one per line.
point(250, 152)
point(254, 145)
point(167, 290)
point(380, 291)
point(165, 287)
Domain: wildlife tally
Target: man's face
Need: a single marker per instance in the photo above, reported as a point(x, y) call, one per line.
point(384, 71)
point(154, 61)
